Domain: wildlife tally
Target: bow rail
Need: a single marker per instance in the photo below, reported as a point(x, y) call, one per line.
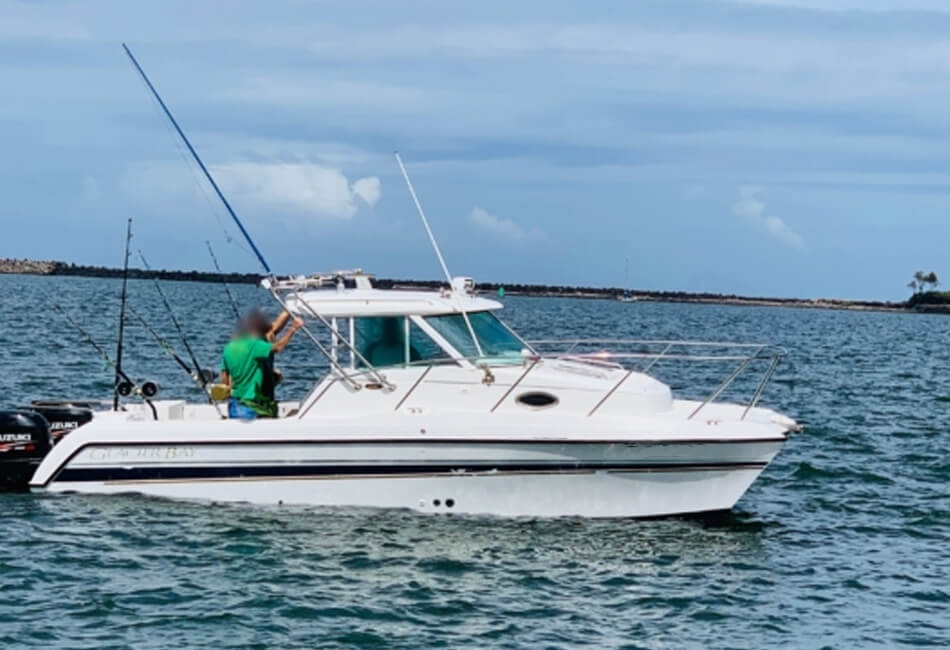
point(645, 356)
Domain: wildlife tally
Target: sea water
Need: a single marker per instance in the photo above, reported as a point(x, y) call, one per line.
point(843, 542)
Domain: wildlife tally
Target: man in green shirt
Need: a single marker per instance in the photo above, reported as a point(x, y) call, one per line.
point(247, 365)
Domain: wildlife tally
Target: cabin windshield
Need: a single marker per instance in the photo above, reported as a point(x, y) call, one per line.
point(494, 337)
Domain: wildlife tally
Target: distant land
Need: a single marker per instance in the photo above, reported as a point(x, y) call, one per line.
point(38, 267)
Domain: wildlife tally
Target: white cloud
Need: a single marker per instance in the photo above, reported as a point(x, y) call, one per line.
point(297, 189)
point(368, 190)
point(502, 227)
point(752, 208)
point(497, 225)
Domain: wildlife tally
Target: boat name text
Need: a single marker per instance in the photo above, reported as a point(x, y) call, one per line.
point(164, 452)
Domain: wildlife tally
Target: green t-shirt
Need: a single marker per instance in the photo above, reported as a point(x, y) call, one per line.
point(248, 361)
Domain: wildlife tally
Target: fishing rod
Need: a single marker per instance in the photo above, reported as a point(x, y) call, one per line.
point(145, 391)
point(227, 289)
point(162, 342)
point(260, 257)
point(119, 337)
point(201, 382)
point(271, 282)
point(199, 373)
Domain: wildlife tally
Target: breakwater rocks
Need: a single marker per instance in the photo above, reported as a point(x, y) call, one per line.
point(35, 267)
point(39, 267)
point(30, 267)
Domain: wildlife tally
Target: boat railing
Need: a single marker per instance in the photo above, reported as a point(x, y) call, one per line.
point(350, 376)
point(653, 351)
point(643, 356)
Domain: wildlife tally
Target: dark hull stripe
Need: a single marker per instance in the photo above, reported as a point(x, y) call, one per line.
point(149, 473)
point(437, 442)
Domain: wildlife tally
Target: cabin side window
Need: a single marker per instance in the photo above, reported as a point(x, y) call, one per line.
point(381, 340)
point(393, 341)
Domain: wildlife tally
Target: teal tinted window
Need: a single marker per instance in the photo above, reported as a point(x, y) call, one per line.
point(422, 347)
point(381, 340)
point(495, 338)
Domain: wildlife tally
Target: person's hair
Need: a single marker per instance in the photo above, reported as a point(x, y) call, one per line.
point(255, 323)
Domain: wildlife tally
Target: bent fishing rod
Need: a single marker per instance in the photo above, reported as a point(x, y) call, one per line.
point(247, 237)
point(134, 386)
point(199, 373)
point(191, 149)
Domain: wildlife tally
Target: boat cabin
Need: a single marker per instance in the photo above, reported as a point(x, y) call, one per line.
point(377, 328)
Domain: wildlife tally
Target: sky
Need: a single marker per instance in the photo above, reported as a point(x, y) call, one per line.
point(771, 148)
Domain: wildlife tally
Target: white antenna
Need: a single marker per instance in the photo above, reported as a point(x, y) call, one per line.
point(438, 253)
point(425, 222)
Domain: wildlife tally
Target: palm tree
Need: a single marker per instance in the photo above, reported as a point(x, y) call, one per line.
point(931, 279)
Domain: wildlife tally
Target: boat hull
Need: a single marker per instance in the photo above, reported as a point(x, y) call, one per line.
point(541, 479)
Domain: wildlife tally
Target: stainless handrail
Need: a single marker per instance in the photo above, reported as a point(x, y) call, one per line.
point(755, 352)
point(765, 380)
point(723, 386)
point(378, 375)
point(349, 377)
point(515, 384)
point(313, 339)
point(684, 343)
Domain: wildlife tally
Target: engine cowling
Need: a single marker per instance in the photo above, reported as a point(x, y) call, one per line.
point(24, 440)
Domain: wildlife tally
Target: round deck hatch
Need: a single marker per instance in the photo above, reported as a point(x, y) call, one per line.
point(537, 399)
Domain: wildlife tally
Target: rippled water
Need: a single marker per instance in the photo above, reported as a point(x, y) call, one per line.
point(844, 541)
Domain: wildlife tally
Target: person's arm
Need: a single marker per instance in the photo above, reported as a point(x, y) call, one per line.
point(277, 326)
point(279, 345)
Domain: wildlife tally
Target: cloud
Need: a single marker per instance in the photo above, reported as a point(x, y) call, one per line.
point(496, 225)
point(752, 208)
point(297, 189)
point(367, 189)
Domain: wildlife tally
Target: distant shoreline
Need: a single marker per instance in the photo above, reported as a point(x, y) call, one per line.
point(54, 268)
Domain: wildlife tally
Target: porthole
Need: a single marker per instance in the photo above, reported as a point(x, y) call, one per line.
point(537, 399)
point(449, 503)
point(436, 503)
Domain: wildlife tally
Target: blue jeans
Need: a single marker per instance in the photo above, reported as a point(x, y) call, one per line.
point(238, 411)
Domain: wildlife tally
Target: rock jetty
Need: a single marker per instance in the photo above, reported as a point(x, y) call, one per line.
point(29, 267)
point(40, 267)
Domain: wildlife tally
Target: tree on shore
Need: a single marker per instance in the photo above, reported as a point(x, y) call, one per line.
point(922, 281)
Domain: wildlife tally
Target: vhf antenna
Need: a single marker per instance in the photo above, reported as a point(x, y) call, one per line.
point(438, 253)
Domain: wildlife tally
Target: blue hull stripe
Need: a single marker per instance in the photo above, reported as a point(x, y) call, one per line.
point(295, 471)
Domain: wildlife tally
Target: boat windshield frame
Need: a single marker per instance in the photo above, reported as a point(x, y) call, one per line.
point(445, 339)
point(498, 342)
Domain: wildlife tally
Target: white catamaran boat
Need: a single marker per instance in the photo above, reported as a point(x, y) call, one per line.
point(433, 403)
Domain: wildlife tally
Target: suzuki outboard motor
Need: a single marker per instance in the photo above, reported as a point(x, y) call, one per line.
point(24, 441)
point(63, 417)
